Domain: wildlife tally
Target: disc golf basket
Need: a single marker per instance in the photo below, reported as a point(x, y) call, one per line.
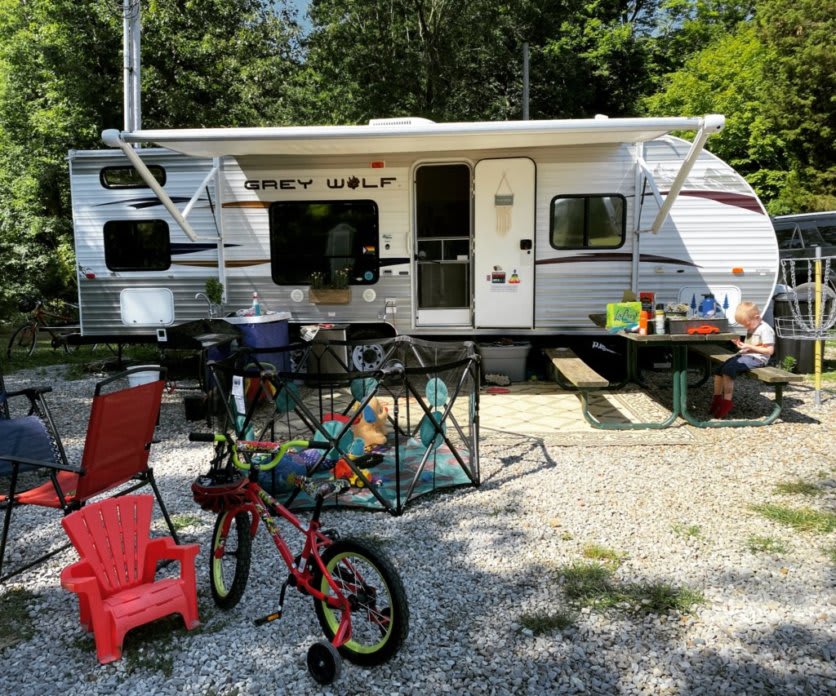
point(427, 393)
point(812, 305)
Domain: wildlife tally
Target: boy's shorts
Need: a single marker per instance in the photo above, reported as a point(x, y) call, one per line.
point(738, 365)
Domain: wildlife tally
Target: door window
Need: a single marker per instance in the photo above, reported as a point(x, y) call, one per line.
point(442, 194)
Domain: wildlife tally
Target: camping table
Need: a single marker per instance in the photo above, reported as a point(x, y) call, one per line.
point(678, 345)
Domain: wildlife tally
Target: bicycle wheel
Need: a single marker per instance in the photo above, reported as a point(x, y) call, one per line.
point(379, 611)
point(229, 563)
point(22, 342)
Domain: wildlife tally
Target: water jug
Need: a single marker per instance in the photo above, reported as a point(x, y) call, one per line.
point(709, 307)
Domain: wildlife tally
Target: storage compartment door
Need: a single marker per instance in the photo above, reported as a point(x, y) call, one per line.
point(504, 243)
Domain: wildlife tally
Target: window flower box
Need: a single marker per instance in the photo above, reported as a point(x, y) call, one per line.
point(329, 295)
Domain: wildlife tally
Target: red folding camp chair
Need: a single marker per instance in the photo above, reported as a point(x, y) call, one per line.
point(116, 449)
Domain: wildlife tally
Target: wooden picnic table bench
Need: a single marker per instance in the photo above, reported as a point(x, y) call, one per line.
point(570, 368)
point(774, 376)
point(573, 374)
point(768, 374)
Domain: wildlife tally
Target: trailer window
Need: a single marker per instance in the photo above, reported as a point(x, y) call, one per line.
point(128, 177)
point(588, 222)
point(137, 245)
point(324, 237)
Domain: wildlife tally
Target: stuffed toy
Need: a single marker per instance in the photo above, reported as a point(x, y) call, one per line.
point(344, 471)
point(370, 424)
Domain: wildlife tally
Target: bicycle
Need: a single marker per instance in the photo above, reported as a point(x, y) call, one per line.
point(358, 596)
point(25, 337)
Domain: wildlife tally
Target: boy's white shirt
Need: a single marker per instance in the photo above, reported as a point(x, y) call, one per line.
point(763, 335)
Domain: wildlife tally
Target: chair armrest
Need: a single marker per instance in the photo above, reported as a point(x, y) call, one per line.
point(163, 548)
point(79, 578)
point(30, 392)
point(14, 459)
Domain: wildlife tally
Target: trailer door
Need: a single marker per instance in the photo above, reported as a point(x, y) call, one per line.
point(443, 242)
point(503, 243)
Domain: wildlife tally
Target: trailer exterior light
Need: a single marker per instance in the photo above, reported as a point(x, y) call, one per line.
point(377, 164)
point(737, 270)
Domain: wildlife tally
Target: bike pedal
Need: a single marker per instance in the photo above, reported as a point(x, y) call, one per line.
point(267, 619)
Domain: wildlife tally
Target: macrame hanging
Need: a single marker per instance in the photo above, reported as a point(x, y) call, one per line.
point(504, 201)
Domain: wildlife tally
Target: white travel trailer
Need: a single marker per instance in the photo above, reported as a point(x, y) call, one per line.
point(517, 229)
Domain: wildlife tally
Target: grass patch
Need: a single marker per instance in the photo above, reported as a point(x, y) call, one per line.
point(765, 544)
point(150, 647)
point(586, 582)
point(798, 488)
point(592, 585)
point(691, 531)
point(596, 552)
point(17, 625)
point(800, 519)
point(540, 623)
point(182, 521)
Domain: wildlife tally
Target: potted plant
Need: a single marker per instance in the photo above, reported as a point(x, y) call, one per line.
point(330, 291)
point(214, 291)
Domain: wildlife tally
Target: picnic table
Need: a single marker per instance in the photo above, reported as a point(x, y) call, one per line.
point(705, 344)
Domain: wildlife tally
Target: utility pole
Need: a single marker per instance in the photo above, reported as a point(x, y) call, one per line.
point(131, 65)
point(525, 82)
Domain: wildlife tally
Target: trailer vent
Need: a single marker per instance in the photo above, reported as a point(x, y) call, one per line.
point(406, 121)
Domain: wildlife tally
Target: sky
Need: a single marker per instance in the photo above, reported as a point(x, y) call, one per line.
point(302, 8)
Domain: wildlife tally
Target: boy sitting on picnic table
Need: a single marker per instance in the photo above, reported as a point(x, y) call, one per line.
point(754, 351)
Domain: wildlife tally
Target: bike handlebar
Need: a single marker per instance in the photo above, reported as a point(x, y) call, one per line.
point(277, 450)
point(201, 437)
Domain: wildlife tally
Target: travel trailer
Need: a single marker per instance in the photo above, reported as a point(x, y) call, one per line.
point(406, 226)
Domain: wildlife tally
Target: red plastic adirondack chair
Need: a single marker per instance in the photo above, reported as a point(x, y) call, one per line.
point(114, 579)
point(119, 436)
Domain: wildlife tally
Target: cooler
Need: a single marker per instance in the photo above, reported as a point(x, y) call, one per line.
point(264, 332)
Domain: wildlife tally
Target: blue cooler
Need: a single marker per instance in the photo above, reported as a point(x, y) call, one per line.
point(266, 331)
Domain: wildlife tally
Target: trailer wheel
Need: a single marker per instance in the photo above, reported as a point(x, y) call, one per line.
point(367, 358)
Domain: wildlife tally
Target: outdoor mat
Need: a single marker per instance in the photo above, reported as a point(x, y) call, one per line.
point(542, 411)
point(441, 470)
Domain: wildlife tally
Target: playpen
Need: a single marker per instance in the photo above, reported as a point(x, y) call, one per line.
point(417, 412)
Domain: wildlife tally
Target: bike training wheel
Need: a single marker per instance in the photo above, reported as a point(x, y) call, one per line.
point(324, 662)
point(230, 568)
point(379, 612)
point(22, 342)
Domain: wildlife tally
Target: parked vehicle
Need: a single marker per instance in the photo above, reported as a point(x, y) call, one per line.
point(522, 228)
point(798, 235)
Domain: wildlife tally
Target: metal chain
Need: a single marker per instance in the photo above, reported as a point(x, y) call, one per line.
point(807, 324)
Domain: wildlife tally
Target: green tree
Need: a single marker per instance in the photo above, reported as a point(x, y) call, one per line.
point(204, 63)
point(52, 97)
point(462, 59)
point(773, 77)
point(441, 59)
point(800, 98)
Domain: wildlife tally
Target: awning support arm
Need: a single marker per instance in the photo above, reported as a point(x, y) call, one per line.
point(711, 123)
point(197, 193)
point(113, 138)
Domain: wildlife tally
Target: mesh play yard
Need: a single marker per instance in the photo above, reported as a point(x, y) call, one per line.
point(397, 417)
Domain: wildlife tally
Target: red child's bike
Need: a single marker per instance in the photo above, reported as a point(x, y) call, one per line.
point(358, 595)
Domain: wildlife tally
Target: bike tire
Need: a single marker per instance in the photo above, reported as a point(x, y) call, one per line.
point(229, 561)
point(380, 614)
point(22, 342)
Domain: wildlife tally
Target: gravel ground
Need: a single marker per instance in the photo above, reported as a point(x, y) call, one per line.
point(477, 562)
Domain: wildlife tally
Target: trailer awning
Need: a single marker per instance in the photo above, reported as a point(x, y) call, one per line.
point(409, 135)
